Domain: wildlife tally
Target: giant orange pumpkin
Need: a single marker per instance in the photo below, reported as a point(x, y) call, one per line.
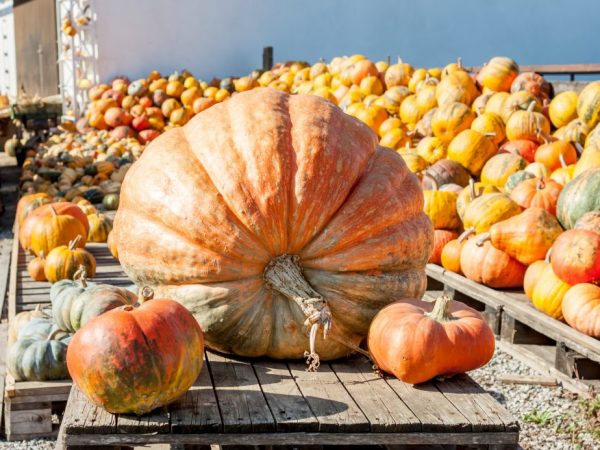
point(417, 341)
point(134, 360)
point(269, 209)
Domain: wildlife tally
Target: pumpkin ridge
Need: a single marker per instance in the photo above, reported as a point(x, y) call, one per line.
point(150, 352)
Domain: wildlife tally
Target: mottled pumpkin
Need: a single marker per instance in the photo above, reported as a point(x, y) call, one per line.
point(100, 226)
point(440, 207)
point(64, 261)
point(581, 308)
point(538, 170)
point(576, 256)
point(519, 101)
point(589, 221)
point(471, 149)
point(588, 104)
point(563, 108)
point(537, 192)
point(522, 147)
point(548, 292)
point(579, 197)
point(515, 179)
point(498, 168)
point(495, 104)
point(134, 360)
point(265, 201)
point(534, 83)
point(575, 132)
point(409, 111)
point(457, 86)
point(487, 210)
point(528, 236)
point(63, 294)
point(417, 341)
point(450, 119)
point(498, 74)
point(55, 230)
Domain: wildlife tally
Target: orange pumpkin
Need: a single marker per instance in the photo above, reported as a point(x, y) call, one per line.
point(318, 201)
point(576, 256)
point(64, 261)
point(532, 276)
point(440, 239)
point(532, 82)
point(527, 125)
point(556, 154)
point(35, 268)
point(498, 74)
point(537, 192)
point(417, 341)
point(450, 257)
point(54, 230)
point(471, 149)
point(581, 308)
point(28, 203)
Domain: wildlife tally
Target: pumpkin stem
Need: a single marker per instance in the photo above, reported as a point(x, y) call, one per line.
point(53, 334)
point(146, 294)
point(81, 275)
point(579, 148)
point(441, 309)
point(472, 192)
point(284, 274)
point(548, 255)
point(459, 62)
point(531, 106)
point(482, 238)
point(490, 134)
point(465, 234)
point(74, 242)
point(541, 184)
point(54, 213)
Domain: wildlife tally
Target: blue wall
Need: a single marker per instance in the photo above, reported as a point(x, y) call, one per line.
point(226, 37)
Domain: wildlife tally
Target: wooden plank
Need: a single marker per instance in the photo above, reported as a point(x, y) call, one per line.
point(334, 408)
point(435, 412)
point(514, 378)
point(35, 388)
point(12, 284)
point(156, 421)
point(515, 332)
point(385, 411)
point(241, 401)
point(5, 256)
point(82, 417)
point(288, 406)
point(362, 439)
point(197, 411)
point(29, 421)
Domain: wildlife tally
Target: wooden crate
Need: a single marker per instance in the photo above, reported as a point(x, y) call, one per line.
point(29, 405)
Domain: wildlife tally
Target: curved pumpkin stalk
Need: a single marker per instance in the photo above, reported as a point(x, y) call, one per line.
point(81, 273)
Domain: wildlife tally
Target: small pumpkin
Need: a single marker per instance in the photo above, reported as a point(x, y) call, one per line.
point(63, 262)
point(579, 197)
point(499, 168)
point(490, 124)
point(563, 108)
point(440, 207)
point(417, 341)
point(483, 263)
point(548, 291)
point(533, 274)
point(556, 154)
point(444, 172)
point(450, 257)
point(109, 358)
point(100, 226)
point(111, 202)
point(588, 104)
point(470, 193)
point(537, 192)
point(589, 221)
point(528, 236)
point(63, 294)
point(519, 101)
point(50, 232)
point(431, 149)
point(450, 119)
point(532, 82)
point(538, 170)
point(488, 209)
point(515, 179)
point(24, 203)
point(495, 103)
point(21, 319)
point(440, 239)
point(471, 149)
point(576, 256)
point(527, 125)
point(498, 74)
point(574, 132)
point(35, 268)
point(581, 308)
point(522, 147)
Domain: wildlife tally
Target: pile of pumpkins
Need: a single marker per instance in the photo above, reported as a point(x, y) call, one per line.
point(56, 231)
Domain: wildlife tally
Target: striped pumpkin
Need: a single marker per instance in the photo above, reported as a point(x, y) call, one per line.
point(414, 162)
point(426, 97)
point(485, 211)
point(471, 149)
point(492, 124)
point(498, 74)
point(440, 207)
point(575, 131)
point(563, 108)
point(450, 119)
point(527, 125)
point(409, 111)
point(470, 193)
point(431, 149)
point(498, 168)
point(593, 137)
point(579, 197)
point(393, 97)
point(64, 261)
point(519, 101)
point(457, 86)
point(480, 102)
point(515, 179)
point(538, 170)
point(100, 226)
point(496, 103)
point(588, 104)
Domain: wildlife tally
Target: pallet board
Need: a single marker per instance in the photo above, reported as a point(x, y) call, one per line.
point(237, 401)
point(516, 321)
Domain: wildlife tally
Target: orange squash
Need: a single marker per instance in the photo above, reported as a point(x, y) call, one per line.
point(450, 257)
point(64, 261)
point(581, 308)
point(537, 192)
point(28, 203)
point(417, 341)
point(576, 256)
point(440, 239)
point(35, 268)
point(527, 125)
point(532, 275)
point(556, 154)
point(55, 230)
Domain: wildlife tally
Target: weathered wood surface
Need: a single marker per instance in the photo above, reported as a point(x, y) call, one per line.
point(237, 401)
point(516, 305)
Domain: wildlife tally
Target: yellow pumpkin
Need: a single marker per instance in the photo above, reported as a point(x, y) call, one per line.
point(395, 138)
point(490, 124)
point(500, 167)
point(527, 125)
point(498, 74)
point(479, 103)
point(590, 159)
point(440, 207)
point(488, 209)
point(431, 149)
point(62, 262)
point(371, 85)
point(538, 170)
point(414, 162)
point(389, 124)
point(373, 116)
point(450, 119)
point(100, 226)
point(519, 101)
point(575, 131)
point(417, 76)
point(563, 108)
point(393, 97)
point(471, 149)
point(588, 104)
point(398, 74)
point(53, 231)
point(426, 97)
point(470, 193)
point(495, 104)
point(457, 86)
point(409, 111)
point(548, 292)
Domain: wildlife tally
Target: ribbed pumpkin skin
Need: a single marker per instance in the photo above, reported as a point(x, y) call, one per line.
point(24, 203)
point(261, 188)
point(490, 123)
point(471, 149)
point(536, 192)
point(579, 197)
point(588, 105)
point(440, 239)
point(431, 149)
point(487, 265)
point(134, 360)
point(532, 275)
point(21, 320)
point(466, 196)
point(498, 168)
point(485, 211)
point(576, 257)
point(525, 125)
point(581, 308)
point(496, 103)
point(589, 221)
point(414, 162)
point(548, 293)
point(62, 263)
point(574, 131)
point(415, 347)
point(100, 226)
point(532, 82)
point(498, 74)
point(457, 86)
point(440, 207)
point(563, 108)
point(51, 232)
point(450, 119)
point(538, 170)
point(522, 147)
point(443, 172)
point(62, 296)
point(35, 269)
point(528, 236)
point(519, 101)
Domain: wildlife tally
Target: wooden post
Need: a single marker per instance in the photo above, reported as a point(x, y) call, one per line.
point(267, 58)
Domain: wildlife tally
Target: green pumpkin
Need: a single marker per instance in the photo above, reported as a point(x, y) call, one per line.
point(39, 353)
point(516, 178)
point(111, 202)
point(94, 195)
point(579, 196)
point(62, 296)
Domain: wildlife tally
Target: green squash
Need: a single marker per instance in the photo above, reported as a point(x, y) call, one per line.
point(516, 178)
point(39, 353)
point(62, 296)
point(579, 196)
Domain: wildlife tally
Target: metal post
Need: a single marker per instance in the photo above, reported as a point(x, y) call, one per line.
point(267, 58)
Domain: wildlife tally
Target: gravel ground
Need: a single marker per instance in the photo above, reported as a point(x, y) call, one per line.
point(550, 417)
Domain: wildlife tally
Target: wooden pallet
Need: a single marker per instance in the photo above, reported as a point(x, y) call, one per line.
point(574, 356)
point(242, 402)
point(29, 405)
